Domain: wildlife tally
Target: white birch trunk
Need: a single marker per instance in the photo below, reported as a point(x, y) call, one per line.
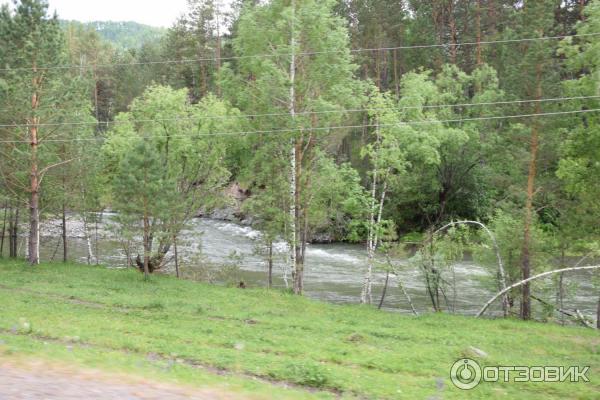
point(284, 267)
point(292, 109)
point(90, 253)
point(285, 277)
point(366, 289)
point(373, 237)
point(37, 248)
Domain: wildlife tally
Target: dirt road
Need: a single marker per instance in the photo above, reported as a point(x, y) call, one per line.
point(50, 382)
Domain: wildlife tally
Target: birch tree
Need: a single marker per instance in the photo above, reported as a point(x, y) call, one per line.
point(307, 69)
point(388, 161)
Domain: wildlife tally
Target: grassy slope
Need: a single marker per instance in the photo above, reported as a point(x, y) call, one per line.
point(118, 321)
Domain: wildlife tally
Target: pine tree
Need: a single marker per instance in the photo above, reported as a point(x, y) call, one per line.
point(32, 44)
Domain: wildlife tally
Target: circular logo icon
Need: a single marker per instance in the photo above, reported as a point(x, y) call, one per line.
point(465, 374)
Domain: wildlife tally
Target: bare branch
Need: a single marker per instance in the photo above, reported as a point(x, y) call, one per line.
point(49, 167)
point(577, 316)
point(516, 285)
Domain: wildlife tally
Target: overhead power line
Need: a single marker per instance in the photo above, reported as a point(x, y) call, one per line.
point(310, 53)
point(327, 128)
point(339, 111)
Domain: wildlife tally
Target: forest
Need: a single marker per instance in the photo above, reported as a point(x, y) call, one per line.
point(121, 35)
point(430, 130)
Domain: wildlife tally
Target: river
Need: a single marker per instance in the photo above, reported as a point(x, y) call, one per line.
point(333, 272)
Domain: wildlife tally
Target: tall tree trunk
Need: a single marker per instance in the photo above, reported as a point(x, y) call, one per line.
point(293, 209)
point(560, 293)
point(478, 27)
point(364, 297)
point(292, 108)
point(385, 286)
point(96, 248)
point(367, 295)
point(96, 111)
point(11, 222)
point(598, 314)
point(34, 201)
point(437, 12)
point(374, 222)
point(492, 28)
point(218, 47)
point(3, 230)
point(385, 70)
point(396, 80)
point(298, 226)
point(203, 90)
point(431, 276)
point(88, 239)
point(453, 32)
point(295, 172)
point(286, 265)
point(176, 256)
point(64, 232)
point(376, 55)
point(14, 234)
point(303, 185)
point(146, 240)
point(270, 264)
point(10, 233)
point(64, 207)
point(366, 289)
point(526, 252)
point(303, 238)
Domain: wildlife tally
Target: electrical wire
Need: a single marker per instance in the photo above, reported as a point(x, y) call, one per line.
point(328, 128)
point(338, 111)
point(310, 53)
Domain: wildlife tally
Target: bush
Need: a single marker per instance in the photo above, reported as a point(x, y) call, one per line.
point(307, 374)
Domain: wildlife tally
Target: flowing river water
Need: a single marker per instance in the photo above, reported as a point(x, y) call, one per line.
point(333, 272)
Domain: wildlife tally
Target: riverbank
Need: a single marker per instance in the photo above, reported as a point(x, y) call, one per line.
point(333, 272)
point(268, 343)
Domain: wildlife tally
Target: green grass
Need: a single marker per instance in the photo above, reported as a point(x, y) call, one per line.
point(113, 319)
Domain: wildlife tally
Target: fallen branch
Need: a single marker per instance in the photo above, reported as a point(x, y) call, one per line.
point(544, 302)
point(582, 319)
point(385, 286)
point(521, 283)
point(577, 316)
point(401, 286)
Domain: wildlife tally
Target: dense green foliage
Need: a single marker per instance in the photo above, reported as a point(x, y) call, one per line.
point(355, 120)
point(353, 351)
point(160, 176)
